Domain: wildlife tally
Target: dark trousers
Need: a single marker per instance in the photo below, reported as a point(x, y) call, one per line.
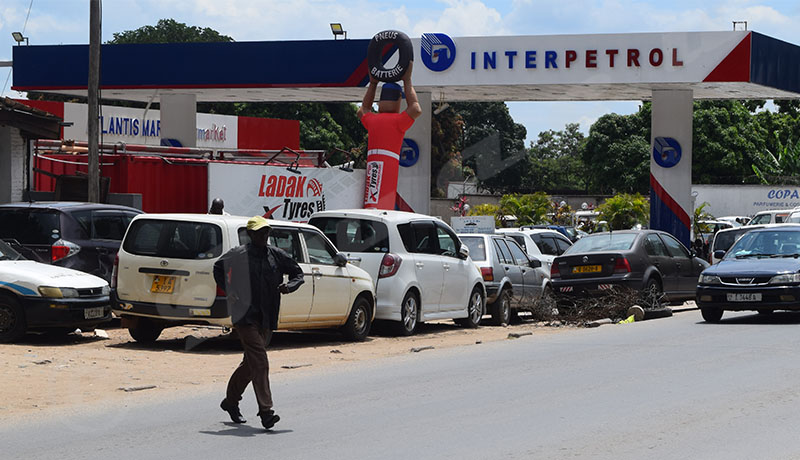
point(253, 368)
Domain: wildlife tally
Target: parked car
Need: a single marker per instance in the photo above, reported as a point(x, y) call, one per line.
point(163, 276)
point(761, 272)
point(557, 228)
point(775, 216)
point(724, 239)
point(737, 221)
point(421, 269)
point(650, 262)
point(82, 236)
point(514, 282)
point(542, 244)
point(34, 295)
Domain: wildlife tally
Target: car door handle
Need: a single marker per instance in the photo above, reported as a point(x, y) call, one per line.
point(419, 264)
point(446, 266)
point(316, 273)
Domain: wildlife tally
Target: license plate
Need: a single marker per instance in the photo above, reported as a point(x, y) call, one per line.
point(93, 313)
point(163, 284)
point(587, 269)
point(744, 297)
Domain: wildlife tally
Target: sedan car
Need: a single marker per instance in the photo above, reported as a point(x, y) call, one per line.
point(513, 281)
point(650, 262)
point(761, 272)
point(34, 295)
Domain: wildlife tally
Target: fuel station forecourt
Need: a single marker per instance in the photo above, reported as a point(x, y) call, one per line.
point(670, 69)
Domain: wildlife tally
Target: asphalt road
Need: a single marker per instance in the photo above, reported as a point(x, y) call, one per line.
point(668, 388)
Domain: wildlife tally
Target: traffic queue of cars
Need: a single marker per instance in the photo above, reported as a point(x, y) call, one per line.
point(360, 265)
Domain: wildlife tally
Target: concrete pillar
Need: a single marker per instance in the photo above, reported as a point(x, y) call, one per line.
point(12, 164)
point(671, 163)
point(179, 119)
point(414, 181)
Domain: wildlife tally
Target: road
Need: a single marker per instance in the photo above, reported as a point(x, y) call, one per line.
point(669, 388)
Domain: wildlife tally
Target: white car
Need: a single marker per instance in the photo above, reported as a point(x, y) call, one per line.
point(163, 276)
point(539, 243)
point(34, 295)
point(421, 270)
point(775, 216)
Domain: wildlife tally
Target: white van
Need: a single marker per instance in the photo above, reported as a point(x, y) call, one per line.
point(163, 276)
point(775, 216)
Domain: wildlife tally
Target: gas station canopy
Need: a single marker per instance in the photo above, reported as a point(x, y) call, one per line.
point(714, 65)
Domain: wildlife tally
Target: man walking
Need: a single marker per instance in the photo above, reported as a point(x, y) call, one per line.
point(385, 131)
point(252, 277)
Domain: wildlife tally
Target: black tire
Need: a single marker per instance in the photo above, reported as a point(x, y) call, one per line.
point(409, 315)
point(145, 330)
point(12, 320)
point(358, 323)
point(501, 308)
point(475, 310)
point(652, 295)
point(375, 58)
point(711, 315)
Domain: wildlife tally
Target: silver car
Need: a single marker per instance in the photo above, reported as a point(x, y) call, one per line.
point(514, 282)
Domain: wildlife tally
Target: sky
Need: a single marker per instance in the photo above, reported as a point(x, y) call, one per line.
point(50, 22)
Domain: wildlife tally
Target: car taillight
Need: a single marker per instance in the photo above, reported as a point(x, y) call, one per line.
point(389, 265)
point(554, 272)
point(488, 273)
point(621, 265)
point(220, 291)
point(115, 272)
point(63, 248)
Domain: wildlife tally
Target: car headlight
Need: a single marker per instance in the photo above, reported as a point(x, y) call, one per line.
point(787, 278)
point(57, 293)
point(709, 279)
point(106, 290)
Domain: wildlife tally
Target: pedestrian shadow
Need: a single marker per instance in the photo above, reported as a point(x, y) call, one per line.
point(243, 431)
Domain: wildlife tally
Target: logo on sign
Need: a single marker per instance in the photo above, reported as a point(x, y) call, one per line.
point(409, 153)
point(300, 199)
point(666, 152)
point(438, 51)
point(314, 188)
point(374, 175)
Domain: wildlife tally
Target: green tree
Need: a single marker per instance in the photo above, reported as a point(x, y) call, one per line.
point(446, 130)
point(493, 145)
point(169, 31)
point(625, 210)
point(529, 209)
point(487, 209)
point(555, 161)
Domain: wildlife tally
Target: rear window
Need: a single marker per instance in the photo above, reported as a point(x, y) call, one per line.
point(724, 240)
point(30, 226)
point(477, 247)
point(175, 239)
point(354, 235)
point(598, 243)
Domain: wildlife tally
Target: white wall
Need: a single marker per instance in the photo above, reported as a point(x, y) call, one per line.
point(12, 164)
point(745, 200)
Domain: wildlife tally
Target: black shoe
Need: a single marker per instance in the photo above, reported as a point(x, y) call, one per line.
point(233, 411)
point(268, 419)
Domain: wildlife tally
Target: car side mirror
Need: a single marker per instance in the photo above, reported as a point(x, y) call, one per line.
point(340, 260)
point(464, 251)
point(719, 254)
point(534, 263)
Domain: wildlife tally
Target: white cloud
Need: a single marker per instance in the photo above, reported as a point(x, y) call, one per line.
point(464, 18)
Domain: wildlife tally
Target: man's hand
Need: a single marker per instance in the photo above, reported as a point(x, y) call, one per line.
point(407, 75)
point(283, 288)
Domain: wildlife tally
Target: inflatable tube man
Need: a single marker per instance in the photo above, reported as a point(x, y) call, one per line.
point(385, 131)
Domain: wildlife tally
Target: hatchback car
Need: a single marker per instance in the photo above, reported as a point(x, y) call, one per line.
point(164, 276)
point(761, 272)
point(83, 236)
point(649, 262)
point(514, 282)
point(34, 295)
point(421, 269)
point(542, 244)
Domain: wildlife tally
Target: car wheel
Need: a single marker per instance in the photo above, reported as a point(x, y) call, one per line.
point(711, 315)
point(765, 311)
point(409, 312)
point(145, 330)
point(501, 308)
point(652, 294)
point(12, 320)
point(474, 310)
point(358, 323)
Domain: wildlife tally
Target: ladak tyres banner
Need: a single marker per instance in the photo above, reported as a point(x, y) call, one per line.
point(276, 193)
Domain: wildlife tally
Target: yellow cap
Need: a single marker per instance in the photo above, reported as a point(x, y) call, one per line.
point(257, 223)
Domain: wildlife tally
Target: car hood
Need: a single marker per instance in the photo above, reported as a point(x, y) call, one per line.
point(765, 266)
point(25, 277)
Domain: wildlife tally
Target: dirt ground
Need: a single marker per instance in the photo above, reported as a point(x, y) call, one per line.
point(45, 373)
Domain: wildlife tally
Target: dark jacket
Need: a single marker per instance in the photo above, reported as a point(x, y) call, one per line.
point(250, 278)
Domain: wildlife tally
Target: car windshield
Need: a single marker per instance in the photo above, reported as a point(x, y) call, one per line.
point(605, 242)
point(724, 240)
point(477, 248)
point(8, 253)
point(774, 243)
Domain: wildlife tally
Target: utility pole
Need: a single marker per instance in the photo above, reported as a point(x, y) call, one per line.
point(93, 90)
